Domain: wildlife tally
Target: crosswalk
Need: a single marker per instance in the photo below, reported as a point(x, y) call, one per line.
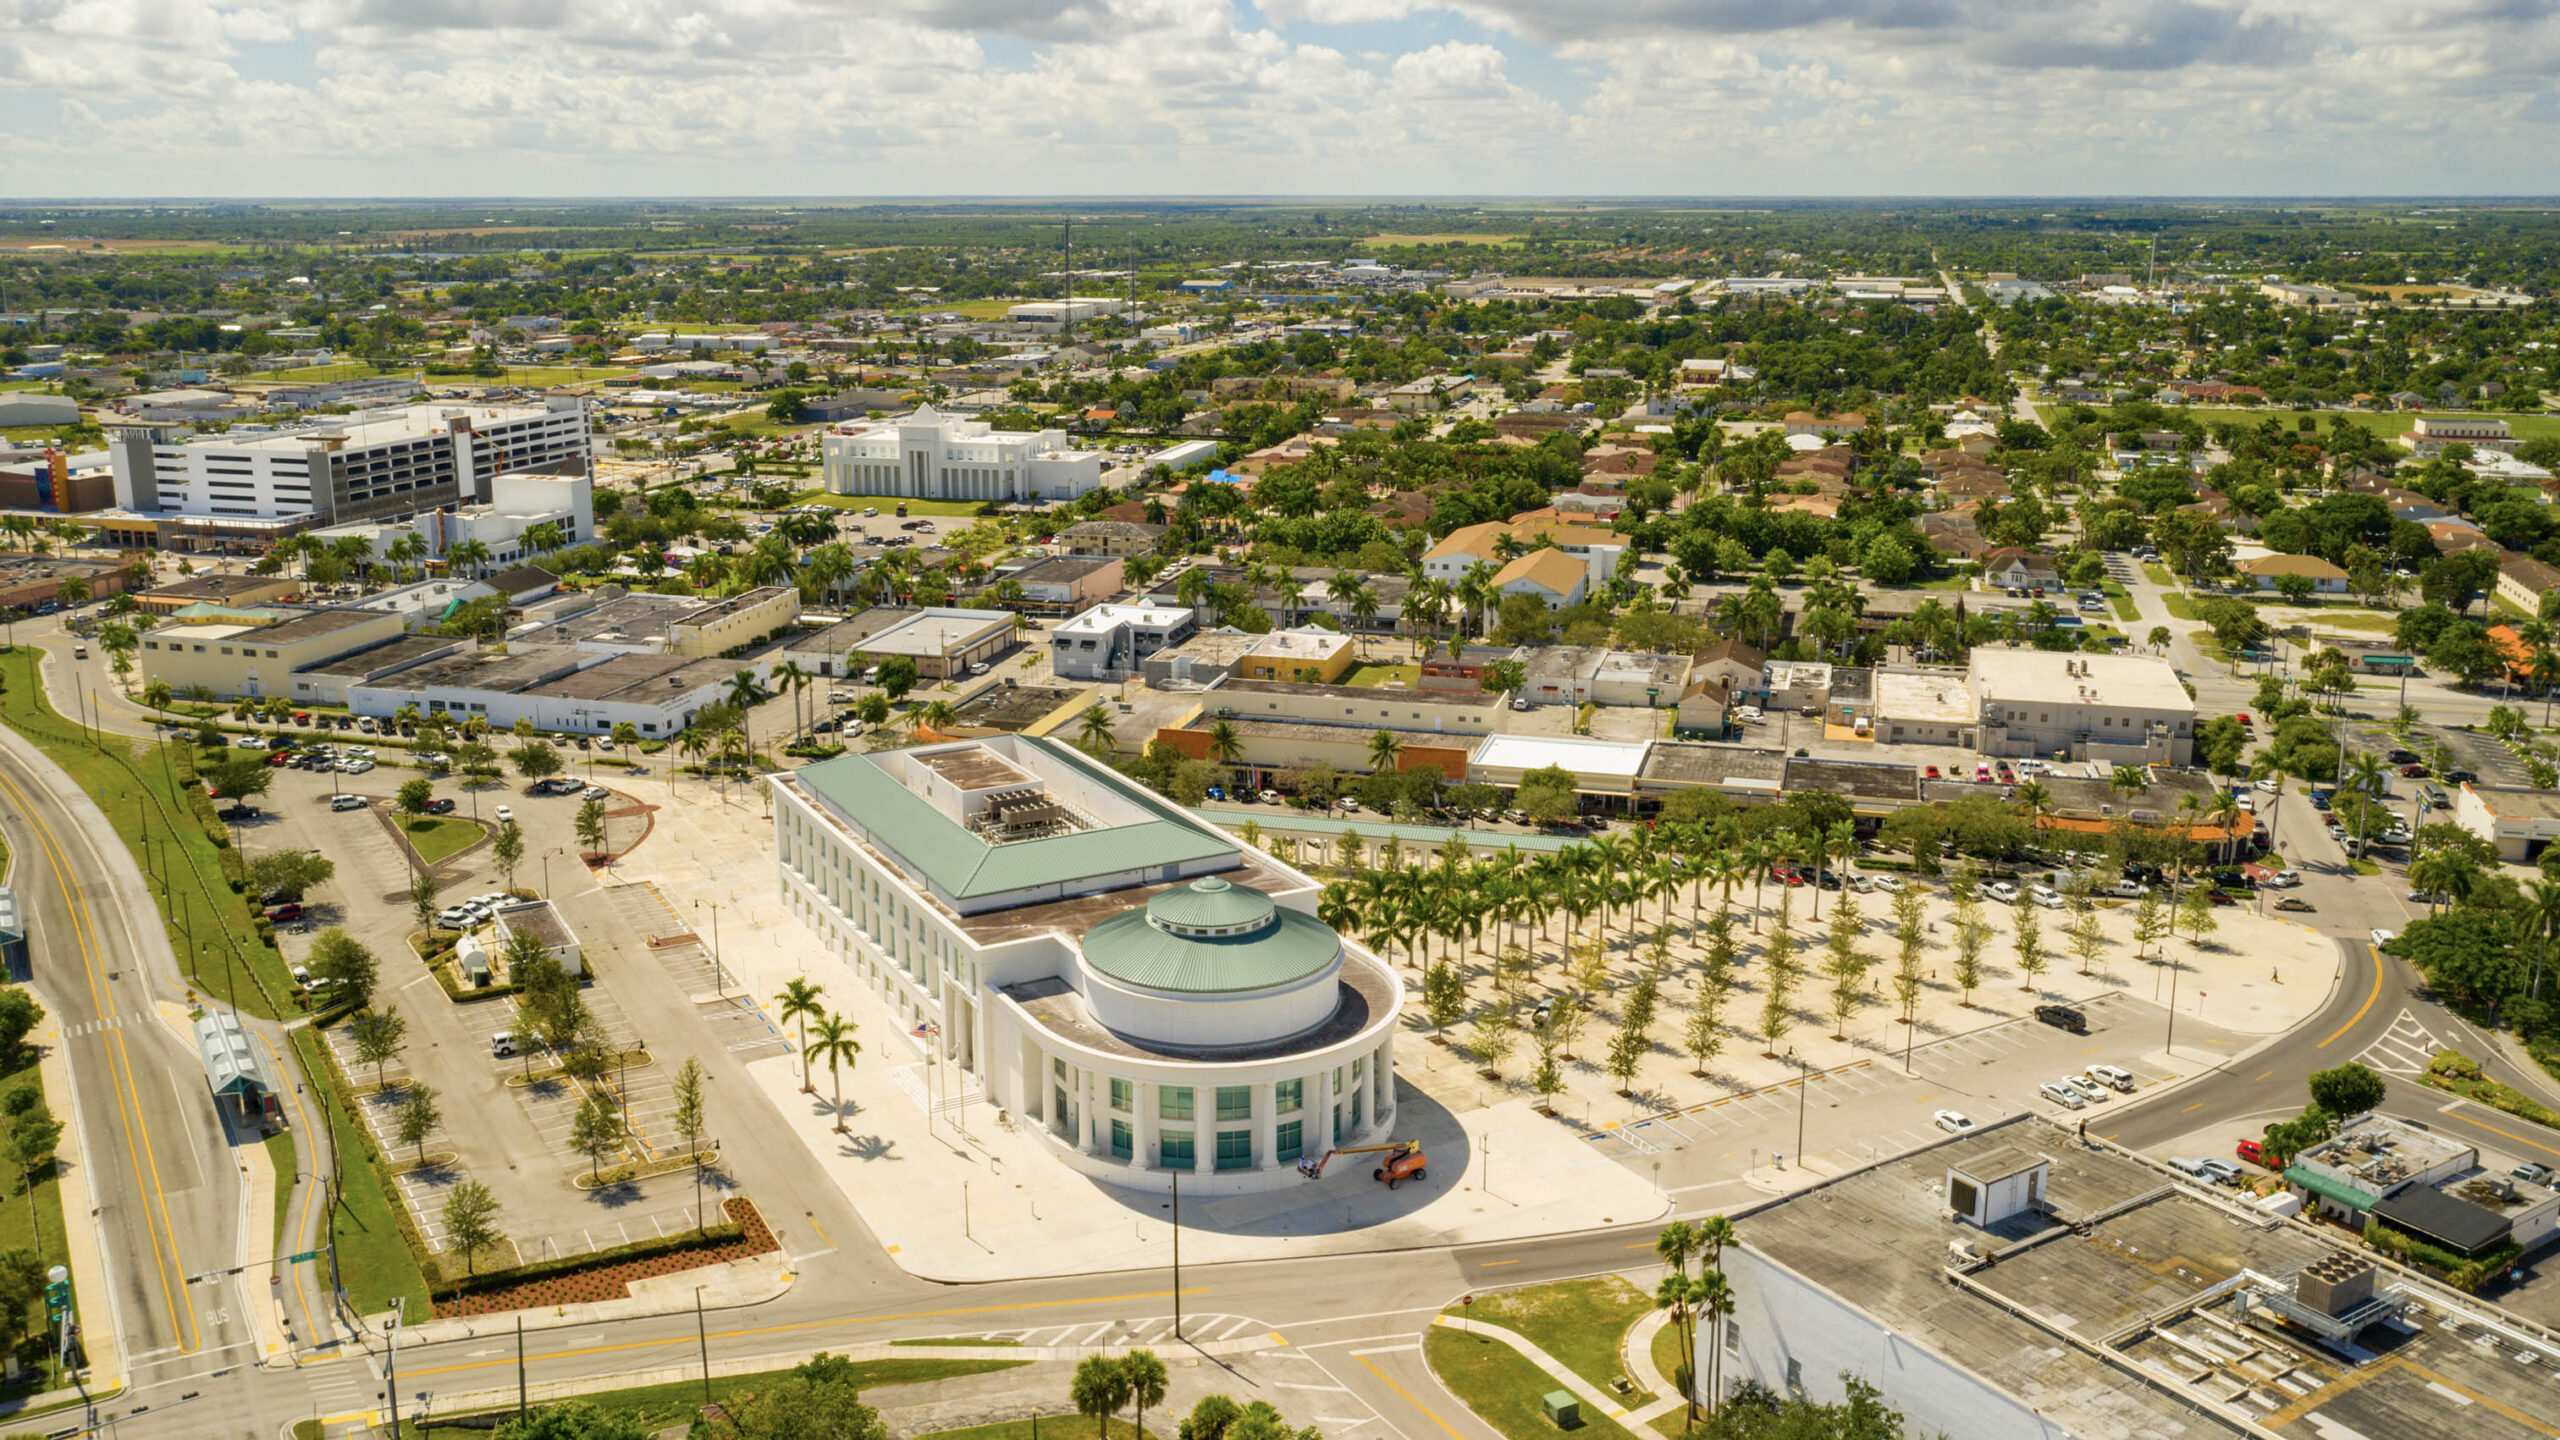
point(112, 1022)
point(2404, 1049)
point(343, 1387)
point(1147, 1330)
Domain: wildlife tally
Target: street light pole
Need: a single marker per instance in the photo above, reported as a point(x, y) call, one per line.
point(1804, 1084)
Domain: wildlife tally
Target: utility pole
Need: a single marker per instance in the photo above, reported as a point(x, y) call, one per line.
point(1177, 1253)
point(521, 1407)
point(703, 1334)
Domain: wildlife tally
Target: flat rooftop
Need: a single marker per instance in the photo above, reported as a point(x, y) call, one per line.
point(632, 619)
point(738, 604)
point(2131, 682)
point(1014, 707)
point(635, 677)
point(2111, 1313)
point(540, 919)
point(849, 633)
point(2517, 803)
point(975, 769)
point(1938, 697)
point(383, 659)
point(371, 427)
point(1062, 569)
point(1618, 759)
point(938, 632)
point(315, 624)
point(1459, 699)
point(1680, 764)
point(1856, 779)
point(488, 670)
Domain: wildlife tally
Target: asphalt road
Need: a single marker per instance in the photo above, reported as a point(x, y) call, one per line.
point(166, 1186)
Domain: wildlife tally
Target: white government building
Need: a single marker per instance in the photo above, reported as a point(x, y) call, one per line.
point(931, 456)
point(1124, 978)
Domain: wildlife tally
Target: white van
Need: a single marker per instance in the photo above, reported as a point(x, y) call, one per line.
point(502, 1045)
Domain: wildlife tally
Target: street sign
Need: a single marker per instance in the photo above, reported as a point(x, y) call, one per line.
point(305, 1255)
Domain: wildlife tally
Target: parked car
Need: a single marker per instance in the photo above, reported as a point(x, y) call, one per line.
point(2189, 1165)
point(289, 910)
point(1267, 797)
point(2382, 938)
point(1954, 1122)
point(2046, 896)
point(2066, 1096)
point(2064, 1017)
point(2220, 1171)
point(505, 813)
point(346, 802)
point(2532, 1174)
point(441, 805)
point(596, 792)
point(2253, 1152)
point(2304, 907)
point(2001, 890)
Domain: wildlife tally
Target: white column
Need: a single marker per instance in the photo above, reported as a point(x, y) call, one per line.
point(1266, 1125)
point(1142, 1149)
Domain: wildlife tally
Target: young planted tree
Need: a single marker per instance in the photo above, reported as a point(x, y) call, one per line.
point(1972, 934)
point(590, 826)
point(2197, 911)
point(507, 848)
point(2088, 939)
point(423, 890)
point(415, 796)
point(1491, 1036)
point(35, 1133)
point(595, 1132)
point(1847, 968)
point(379, 1036)
point(690, 1123)
point(1702, 1038)
point(1444, 996)
point(350, 969)
point(1099, 1388)
point(1567, 1018)
point(1642, 1003)
point(1910, 936)
point(417, 1117)
point(1546, 1076)
point(471, 1222)
point(2028, 936)
point(799, 1002)
point(2150, 922)
point(1627, 1047)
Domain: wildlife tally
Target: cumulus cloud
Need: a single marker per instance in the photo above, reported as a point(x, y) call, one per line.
point(1249, 96)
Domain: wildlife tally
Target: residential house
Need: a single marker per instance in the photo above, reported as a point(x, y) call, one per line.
point(1805, 422)
point(2267, 572)
point(2523, 580)
point(1553, 576)
point(1067, 584)
point(2013, 567)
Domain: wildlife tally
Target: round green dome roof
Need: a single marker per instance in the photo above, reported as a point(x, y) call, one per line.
point(1211, 937)
point(1211, 904)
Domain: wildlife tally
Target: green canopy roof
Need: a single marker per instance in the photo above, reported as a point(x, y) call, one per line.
point(2330, 1187)
point(1267, 946)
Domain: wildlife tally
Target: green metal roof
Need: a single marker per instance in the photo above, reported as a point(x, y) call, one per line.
point(2330, 1187)
point(963, 866)
point(1211, 903)
point(1128, 948)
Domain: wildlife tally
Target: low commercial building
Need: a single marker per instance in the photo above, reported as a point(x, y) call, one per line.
point(1925, 707)
point(1068, 584)
point(1205, 659)
point(1138, 988)
point(1117, 538)
point(2268, 572)
point(943, 641)
point(30, 582)
point(2523, 580)
point(426, 604)
point(730, 626)
point(1561, 674)
point(1598, 767)
point(236, 591)
point(1639, 678)
point(328, 682)
point(1464, 667)
point(556, 687)
point(541, 920)
point(2113, 709)
point(1361, 707)
point(2430, 434)
point(2522, 823)
point(607, 620)
point(1303, 657)
point(1111, 642)
point(257, 653)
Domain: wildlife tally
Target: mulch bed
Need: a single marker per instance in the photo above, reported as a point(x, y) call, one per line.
point(612, 1280)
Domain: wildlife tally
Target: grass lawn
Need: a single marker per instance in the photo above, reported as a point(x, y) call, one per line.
point(1580, 1322)
point(34, 1222)
point(2389, 425)
point(1503, 1388)
point(2181, 607)
point(1374, 673)
point(280, 1160)
point(137, 788)
point(888, 503)
point(1945, 582)
point(2369, 622)
point(1069, 1425)
point(2159, 575)
point(437, 836)
point(2117, 597)
point(656, 1407)
point(1666, 1352)
point(374, 1260)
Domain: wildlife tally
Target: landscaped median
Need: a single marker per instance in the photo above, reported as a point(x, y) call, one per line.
point(1579, 1324)
point(2453, 1071)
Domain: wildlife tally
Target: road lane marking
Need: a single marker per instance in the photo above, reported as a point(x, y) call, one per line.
point(2361, 1010)
point(1386, 1350)
point(1489, 1264)
point(1407, 1397)
point(138, 1143)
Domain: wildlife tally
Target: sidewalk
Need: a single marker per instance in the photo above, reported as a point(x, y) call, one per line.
point(100, 1331)
point(729, 1285)
point(1592, 1395)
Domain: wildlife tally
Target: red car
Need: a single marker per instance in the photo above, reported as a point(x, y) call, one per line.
point(279, 757)
point(1787, 875)
point(1932, 773)
point(2255, 1154)
point(2242, 717)
point(289, 910)
point(2413, 772)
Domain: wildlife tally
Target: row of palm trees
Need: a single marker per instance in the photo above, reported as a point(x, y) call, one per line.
point(800, 1003)
point(407, 553)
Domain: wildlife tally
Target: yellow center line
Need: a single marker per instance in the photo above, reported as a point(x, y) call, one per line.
point(1407, 1396)
point(137, 1131)
point(802, 1325)
point(1489, 1264)
point(2263, 1074)
point(2357, 1017)
point(2196, 1106)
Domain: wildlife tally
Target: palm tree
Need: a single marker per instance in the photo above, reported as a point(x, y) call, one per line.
point(470, 555)
point(2541, 926)
point(799, 1001)
point(2225, 812)
point(1384, 747)
point(2129, 781)
point(1093, 728)
point(744, 692)
point(934, 715)
point(1712, 1299)
point(836, 1043)
point(1226, 746)
point(2032, 797)
point(794, 681)
point(1364, 608)
point(542, 536)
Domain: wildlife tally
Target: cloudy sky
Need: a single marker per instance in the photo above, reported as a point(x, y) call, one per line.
point(1307, 97)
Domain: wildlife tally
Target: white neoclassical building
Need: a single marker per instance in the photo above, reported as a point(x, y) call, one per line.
point(928, 455)
point(1128, 980)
